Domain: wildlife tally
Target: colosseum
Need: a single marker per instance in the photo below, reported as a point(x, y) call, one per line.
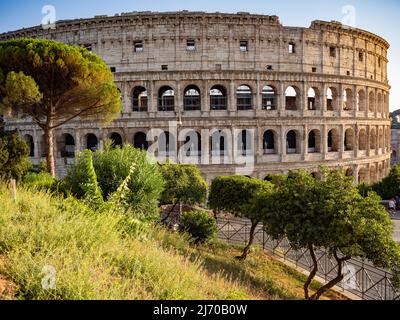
point(234, 86)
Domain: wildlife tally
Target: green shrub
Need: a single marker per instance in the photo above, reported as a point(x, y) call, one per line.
point(41, 180)
point(14, 152)
point(183, 183)
point(199, 225)
point(112, 166)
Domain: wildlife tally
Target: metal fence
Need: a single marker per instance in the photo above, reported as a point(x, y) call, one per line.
point(361, 278)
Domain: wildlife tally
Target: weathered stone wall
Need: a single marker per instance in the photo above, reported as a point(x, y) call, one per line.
point(326, 55)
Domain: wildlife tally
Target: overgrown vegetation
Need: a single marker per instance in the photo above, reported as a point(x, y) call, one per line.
point(111, 167)
point(199, 225)
point(114, 256)
point(14, 153)
point(388, 188)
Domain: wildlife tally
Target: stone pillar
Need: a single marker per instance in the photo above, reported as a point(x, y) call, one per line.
point(340, 100)
point(355, 109)
point(178, 98)
point(205, 146)
point(324, 101)
point(324, 141)
point(366, 102)
point(304, 142)
point(283, 143)
point(152, 98)
point(232, 107)
point(303, 107)
point(36, 141)
point(282, 100)
point(78, 146)
point(125, 101)
point(257, 100)
point(205, 100)
point(356, 141)
point(341, 140)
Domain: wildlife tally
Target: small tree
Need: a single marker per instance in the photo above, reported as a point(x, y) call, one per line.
point(53, 83)
point(183, 184)
point(389, 187)
point(14, 154)
point(236, 195)
point(329, 213)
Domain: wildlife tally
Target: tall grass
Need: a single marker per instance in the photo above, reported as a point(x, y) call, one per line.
point(96, 256)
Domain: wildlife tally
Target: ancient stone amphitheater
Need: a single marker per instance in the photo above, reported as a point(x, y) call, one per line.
point(234, 87)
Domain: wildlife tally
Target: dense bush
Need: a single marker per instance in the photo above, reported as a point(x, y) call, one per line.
point(388, 188)
point(183, 183)
point(112, 166)
point(39, 180)
point(199, 225)
point(14, 152)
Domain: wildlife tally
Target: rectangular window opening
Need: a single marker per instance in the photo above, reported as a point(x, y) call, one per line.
point(138, 46)
point(269, 67)
point(292, 47)
point(314, 69)
point(190, 45)
point(361, 56)
point(113, 69)
point(164, 67)
point(332, 52)
point(243, 46)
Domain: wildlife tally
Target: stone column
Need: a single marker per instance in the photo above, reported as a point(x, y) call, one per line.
point(205, 146)
point(283, 143)
point(178, 98)
point(152, 98)
point(324, 101)
point(78, 142)
point(303, 107)
point(341, 140)
point(282, 100)
point(36, 141)
point(340, 100)
point(232, 97)
point(304, 142)
point(324, 141)
point(257, 100)
point(205, 101)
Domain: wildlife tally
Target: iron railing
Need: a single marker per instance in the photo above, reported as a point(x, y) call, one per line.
point(363, 279)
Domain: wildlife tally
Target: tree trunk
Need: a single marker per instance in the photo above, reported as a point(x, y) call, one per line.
point(251, 240)
point(50, 151)
point(312, 273)
point(333, 282)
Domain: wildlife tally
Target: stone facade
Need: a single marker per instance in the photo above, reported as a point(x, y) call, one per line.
point(302, 96)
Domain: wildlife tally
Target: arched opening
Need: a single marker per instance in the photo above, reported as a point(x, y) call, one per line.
point(92, 142)
point(349, 172)
point(362, 175)
point(314, 140)
point(372, 174)
point(192, 145)
point(269, 142)
point(218, 143)
point(244, 143)
point(362, 140)
point(372, 140)
point(43, 146)
point(361, 102)
point(331, 99)
point(29, 141)
point(166, 99)
point(218, 98)
point(380, 139)
point(349, 140)
point(291, 98)
point(371, 102)
point(394, 157)
point(380, 103)
point(67, 146)
point(380, 171)
point(166, 144)
point(192, 99)
point(347, 100)
point(140, 141)
point(116, 140)
point(291, 142)
point(269, 98)
point(139, 99)
point(333, 140)
point(244, 98)
point(312, 99)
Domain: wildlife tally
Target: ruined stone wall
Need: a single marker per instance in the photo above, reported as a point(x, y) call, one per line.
point(345, 67)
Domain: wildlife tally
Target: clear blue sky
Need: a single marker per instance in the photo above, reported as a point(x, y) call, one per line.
point(380, 17)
